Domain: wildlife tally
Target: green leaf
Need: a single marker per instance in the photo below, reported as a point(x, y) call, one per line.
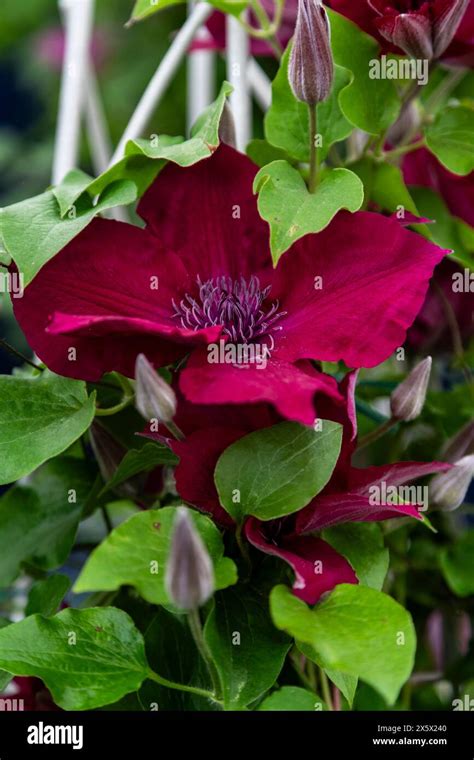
point(69, 190)
point(46, 596)
point(457, 565)
point(277, 470)
point(34, 230)
point(362, 545)
point(172, 652)
point(86, 658)
point(384, 185)
point(247, 649)
point(287, 120)
point(203, 141)
point(145, 8)
point(290, 698)
point(451, 139)
point(262, 153)
point(370, 104)
point(41, 417)
point(136, 554)
point(357, 630)
point(141, 460)
point(292, 211)
point(40, 520)
point(447, 230)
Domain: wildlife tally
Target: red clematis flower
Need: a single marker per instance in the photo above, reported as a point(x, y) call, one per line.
point(346, 498)
point(200, 273)
point(423, 28)
point(422, 169)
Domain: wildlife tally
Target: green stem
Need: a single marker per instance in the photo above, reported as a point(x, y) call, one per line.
point(449, 83)
point(374, 435)
point(174, 430)
point(181, 687)
point(268, 28)
point(403, 149)
point(126, 400)
point(13, 351)
point(453, 326)
point(195, 625)
point(243, 548)
point(107, 520)
point(326, 691)
point(313, 151)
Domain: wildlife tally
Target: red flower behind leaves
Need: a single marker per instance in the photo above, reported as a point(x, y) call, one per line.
point(200, 272)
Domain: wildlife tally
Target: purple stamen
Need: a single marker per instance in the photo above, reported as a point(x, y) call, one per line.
point(236, 305)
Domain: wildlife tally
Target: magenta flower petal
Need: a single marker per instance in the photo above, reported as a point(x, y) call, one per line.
point(194, 474)
point(317, 566)
point(374, 275)
point(108, 272)
point(338, 508)
point(101, 326)
point(422, 168)
point(290, 389)
point(207, 214)
point(355, 503)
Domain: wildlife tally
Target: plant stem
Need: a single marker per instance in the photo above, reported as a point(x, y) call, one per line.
point(126, 400)
point(107, 520)
point(11, 350)
point(403, 149)
point(449, 83)
point(313, 151)
point(243, 549)
point(181, 687)
point(268, 28)
point(326, 691)
point(195, 625)
point(456, 337)
point(374, 435)
point(174, 430)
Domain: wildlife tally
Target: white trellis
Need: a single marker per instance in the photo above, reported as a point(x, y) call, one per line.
point(80, 99)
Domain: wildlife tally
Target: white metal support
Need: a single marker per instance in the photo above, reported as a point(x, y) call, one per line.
point(162, 77)
point(200, 76)
point(260, 84)
point(78, 15)
point(100, 145)
point(237, 74)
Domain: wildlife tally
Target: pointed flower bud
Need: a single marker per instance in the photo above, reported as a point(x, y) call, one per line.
point(408, 398)
point(154, 398)
point(446, 23)
point(423, 30)
point(311, 69)
point(461, 444)
point(448, 489)
point(189, 573)
point(107, 451)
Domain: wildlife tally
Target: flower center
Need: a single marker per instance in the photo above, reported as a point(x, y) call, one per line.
point(237, 305)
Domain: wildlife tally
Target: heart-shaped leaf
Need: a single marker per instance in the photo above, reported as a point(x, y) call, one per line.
point(292, 211)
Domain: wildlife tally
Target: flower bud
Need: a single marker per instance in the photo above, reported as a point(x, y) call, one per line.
point(448, 489)
point(311, 69)
point(189, 573)
point(227, 127)
point(461, 444)
point(446, 24)
point(154, 398)
point(408, 398)
point(422, 32)
point(107, 451)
